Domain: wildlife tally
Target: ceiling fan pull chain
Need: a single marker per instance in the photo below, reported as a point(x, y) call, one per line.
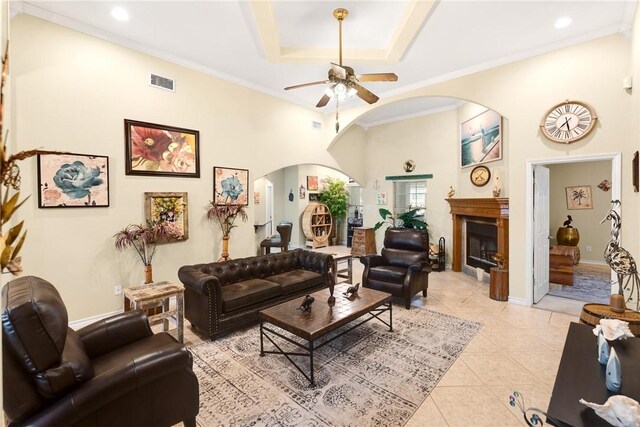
point(337, 115)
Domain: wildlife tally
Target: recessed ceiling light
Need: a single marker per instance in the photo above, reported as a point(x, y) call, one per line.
point(563, 22)
point(120, 14)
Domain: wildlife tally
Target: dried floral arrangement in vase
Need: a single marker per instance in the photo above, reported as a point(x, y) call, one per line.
point(226, 214)
point(145, 239)
point(12, 240)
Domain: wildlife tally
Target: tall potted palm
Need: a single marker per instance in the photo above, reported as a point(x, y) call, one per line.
point(335, 195)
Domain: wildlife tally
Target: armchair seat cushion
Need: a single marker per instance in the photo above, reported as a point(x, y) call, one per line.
point(248, 292)
point(388, 273)
point(271, 241)
point(297, 280)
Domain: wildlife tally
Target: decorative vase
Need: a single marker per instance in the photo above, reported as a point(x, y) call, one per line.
point(225, 249)
point(148, 273)
point(568, 236)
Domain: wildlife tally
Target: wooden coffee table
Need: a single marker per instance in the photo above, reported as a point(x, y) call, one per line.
point(322, 319)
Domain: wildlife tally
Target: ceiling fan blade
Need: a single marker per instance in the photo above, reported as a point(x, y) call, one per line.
point(366, 94)
point(323, 101)
point(338, 71)
point(377, 77)
point(305, 85)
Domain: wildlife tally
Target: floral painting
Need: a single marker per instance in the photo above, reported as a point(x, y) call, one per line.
point(381, 199)
point(579, 197)
point(312, 183)
point(168, 207)
point(153, 149)
point(231, 186)
point(73, 180)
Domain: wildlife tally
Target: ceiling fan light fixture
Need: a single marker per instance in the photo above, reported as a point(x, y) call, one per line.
point(351, 92)
point(329, 91)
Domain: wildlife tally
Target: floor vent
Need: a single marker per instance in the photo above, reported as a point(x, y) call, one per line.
point(162, 82)
point(316, 125)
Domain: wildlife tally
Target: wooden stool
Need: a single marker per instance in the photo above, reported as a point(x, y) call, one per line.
point(499, 284)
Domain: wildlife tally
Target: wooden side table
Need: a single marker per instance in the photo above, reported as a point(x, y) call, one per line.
point(364, 242)
point(499, 284)
point(159, 292)
point(592, 313)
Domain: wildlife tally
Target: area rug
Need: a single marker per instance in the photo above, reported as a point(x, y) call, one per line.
point(590, 284)
point(369, 376)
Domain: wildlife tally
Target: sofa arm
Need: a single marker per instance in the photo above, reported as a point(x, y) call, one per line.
point(372, 261)
point(114, 332)
point(315, 261)
point(423, 266)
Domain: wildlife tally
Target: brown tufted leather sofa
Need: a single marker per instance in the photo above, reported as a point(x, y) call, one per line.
point(114, 372)
point(403, 267)
point(223, 296)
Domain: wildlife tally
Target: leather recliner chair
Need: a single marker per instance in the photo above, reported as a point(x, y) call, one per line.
point(403, 267)
point(281, 241)
point(114, 372)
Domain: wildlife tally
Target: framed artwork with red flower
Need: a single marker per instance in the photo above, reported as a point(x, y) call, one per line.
point(153, 149)
point(73, 181)
point(230, 186)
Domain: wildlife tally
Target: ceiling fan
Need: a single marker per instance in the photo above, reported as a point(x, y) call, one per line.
point(342, 80)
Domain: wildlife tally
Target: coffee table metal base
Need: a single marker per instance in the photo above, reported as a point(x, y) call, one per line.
point(310, 348)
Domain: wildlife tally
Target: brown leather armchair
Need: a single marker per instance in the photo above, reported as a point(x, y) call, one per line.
point(403, 267)
point(114, 372)
point(281, 241)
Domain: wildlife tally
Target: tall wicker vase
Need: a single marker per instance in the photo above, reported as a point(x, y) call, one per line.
point(225, 249)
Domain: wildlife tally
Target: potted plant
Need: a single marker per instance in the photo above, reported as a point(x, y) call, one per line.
point(409, 219)
point(226, 214)
point(335, 195)
point(144, 239)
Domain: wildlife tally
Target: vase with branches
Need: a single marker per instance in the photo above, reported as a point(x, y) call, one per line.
point(226, 214)
point(144, 240)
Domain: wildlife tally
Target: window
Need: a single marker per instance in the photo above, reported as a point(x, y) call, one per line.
point(410, 195)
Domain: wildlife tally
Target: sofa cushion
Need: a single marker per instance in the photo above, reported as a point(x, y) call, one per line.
point(247, 293)
point(388, 273)
point(296, 280)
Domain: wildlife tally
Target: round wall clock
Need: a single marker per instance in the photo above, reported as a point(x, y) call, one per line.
point(480, 176)
point(568, 122)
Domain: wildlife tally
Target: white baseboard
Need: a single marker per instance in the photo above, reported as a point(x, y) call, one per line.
point(77, 324)
point(518, 301)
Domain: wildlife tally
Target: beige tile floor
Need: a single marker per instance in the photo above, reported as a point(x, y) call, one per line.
point(518, 348)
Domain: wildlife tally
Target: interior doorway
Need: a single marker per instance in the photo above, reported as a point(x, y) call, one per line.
point(568, 192)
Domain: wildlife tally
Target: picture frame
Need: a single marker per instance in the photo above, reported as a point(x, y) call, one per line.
point(171, 207)
point(579, 197)
point(159, 150)
point(73, 180)
point(635, 167)
point(302, 194)
point(381, 199)
point(312, 183)
point(314, 197)
point(481, 139)
point(230, 185)
point(256, 197)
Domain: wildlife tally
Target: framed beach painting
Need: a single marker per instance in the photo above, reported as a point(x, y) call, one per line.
point(579, 197)
point(73, 181)
point(168, 207)
point(481, 139)
point(230, 186)
point(160, 150)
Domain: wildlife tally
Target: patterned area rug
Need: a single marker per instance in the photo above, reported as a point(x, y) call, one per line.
point(369, 376)
point(590, 284)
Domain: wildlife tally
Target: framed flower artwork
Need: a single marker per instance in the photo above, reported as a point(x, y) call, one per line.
point(168, 207)
point(153, 149)
point(230, 186)
point(312, 183)
point(73, 181)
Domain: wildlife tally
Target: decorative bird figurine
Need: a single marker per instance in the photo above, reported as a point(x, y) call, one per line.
point(568, 222)
point(352, 291)
point(305, 307)
point(620, 411)
point(451, 192)
point(621, 261)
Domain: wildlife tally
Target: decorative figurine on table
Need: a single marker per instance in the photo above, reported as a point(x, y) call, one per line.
point(305, 307)
point(501, 261)
point(614, 373)
point(603, 349)
point(332, 284)
point(621, 261)
point(619, 411)
point(352, 291)
point(451, 192)
point(613, 329)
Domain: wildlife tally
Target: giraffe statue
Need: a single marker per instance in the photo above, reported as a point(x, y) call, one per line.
point(621, 261)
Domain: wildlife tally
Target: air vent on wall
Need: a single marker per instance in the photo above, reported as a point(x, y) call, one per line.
point(162, 82)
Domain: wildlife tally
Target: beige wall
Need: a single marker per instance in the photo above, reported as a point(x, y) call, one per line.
point(522, 92)
point(73, 92)
point(587, 221)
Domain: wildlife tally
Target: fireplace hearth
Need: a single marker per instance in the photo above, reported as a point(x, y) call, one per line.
point(481, 244)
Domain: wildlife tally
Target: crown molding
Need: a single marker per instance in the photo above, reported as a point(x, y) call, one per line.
point(368, 125)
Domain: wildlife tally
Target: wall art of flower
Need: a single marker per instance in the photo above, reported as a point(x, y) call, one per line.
point(231, 186)
point(153, 149)
point(168, 207)
point(73, 180)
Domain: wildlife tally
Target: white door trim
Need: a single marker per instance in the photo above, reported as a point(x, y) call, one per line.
point(616, 193)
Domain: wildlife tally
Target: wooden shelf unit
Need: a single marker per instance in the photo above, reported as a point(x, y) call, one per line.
point(316, 225)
